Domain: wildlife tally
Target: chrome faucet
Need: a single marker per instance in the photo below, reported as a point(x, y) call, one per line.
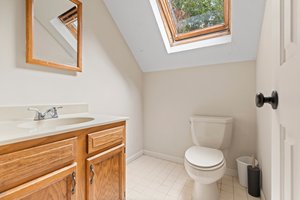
point(49, 114)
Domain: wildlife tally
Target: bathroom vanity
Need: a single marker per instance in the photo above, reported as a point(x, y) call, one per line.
point(83, 160)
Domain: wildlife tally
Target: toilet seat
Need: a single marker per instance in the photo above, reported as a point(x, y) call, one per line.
point(204, 158)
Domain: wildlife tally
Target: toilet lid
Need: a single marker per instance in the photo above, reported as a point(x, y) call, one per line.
point(204, 157)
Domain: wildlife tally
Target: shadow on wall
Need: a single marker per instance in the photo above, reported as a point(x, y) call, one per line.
point(110, 39)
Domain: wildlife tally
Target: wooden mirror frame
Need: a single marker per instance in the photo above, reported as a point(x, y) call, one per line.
point(29, 40)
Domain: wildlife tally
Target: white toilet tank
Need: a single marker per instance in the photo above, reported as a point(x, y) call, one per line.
point(211, 131)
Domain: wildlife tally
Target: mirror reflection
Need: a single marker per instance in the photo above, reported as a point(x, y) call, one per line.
point(55, 31)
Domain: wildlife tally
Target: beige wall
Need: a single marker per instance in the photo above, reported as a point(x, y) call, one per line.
point(171, 97)
point(111, 82)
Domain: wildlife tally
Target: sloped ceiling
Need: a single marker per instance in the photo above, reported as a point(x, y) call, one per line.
point(137, 23)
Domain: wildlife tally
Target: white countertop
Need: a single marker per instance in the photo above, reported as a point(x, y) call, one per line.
point(12, 131)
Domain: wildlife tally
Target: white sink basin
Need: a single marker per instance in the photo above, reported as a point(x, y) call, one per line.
point(52, 123)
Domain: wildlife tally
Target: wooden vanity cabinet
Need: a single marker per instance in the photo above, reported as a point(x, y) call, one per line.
point(19, 167)
point(106, 175)
point(79, 165)
point(58, 185)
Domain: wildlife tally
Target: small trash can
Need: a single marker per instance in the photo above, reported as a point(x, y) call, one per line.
point(254, 181)
point(242, 163)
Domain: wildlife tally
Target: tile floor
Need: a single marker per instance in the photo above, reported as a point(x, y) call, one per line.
point(150, 178)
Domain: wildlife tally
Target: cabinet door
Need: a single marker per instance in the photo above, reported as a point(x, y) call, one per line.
point(58, 185)
point(22, 166)
point(106, 175)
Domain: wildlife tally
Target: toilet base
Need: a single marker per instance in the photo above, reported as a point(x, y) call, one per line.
point(205, 191)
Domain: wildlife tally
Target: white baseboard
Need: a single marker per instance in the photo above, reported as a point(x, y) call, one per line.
point(231, 172)
point(164, 156)
point(134, 156)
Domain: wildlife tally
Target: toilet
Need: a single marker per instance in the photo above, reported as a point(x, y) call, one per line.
point(205, 162)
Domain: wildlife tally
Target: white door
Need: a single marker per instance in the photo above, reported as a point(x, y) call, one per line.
point(286, 119)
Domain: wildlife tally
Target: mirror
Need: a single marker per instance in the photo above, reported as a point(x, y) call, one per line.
point(53, 33)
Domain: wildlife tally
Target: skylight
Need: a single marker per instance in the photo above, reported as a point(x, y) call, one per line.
point(190, 21)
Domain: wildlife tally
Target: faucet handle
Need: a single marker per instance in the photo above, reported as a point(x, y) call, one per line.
point(55, 108)
point(58, 107)
point(38, 114)
point(33, 109)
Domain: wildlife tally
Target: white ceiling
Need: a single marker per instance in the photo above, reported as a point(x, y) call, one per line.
point(137, 23)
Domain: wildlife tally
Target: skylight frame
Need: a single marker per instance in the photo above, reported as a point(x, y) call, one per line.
point(68, 18)
point(196, 35)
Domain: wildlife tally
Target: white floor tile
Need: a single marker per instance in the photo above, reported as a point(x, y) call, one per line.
point(150, 178)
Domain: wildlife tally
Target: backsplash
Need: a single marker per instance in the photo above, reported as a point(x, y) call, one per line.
point(10, 112)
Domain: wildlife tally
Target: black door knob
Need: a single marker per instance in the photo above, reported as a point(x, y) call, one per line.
point(260, 100)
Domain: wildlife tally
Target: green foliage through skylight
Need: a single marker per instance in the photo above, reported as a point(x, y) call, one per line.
point(191, 15)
